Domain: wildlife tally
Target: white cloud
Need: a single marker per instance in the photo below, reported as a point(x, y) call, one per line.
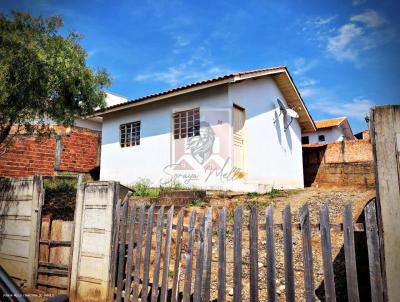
point(302, 66)
point(320, 21)
point(183, 73)
point(342, 45)
point(363, 31)
point(370, 18)
point(307, 82)
point(357, 2)
point(357, 108)
point(308, 92)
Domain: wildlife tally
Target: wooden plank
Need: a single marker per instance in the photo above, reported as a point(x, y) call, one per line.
point(44, 250)
point(253, 247)
point(329, 282)
point(222, 255)
point(56, 242)
point(121, 252)
point(147, 253)
point(57, 272)
point(53, 265)
point(237, 254)
point(139, 244)
point(199, 261)
point(375, 273)
point(130, 253)
point(156, 264)
point(304, 217)
point(206, 280)
point(55, 252)
point(52, 284)
point(271, 270)
point(288, 253)
point(189, 254)
point(166, 259)
point(350, 255)
point(385, 139)
point(177, 264)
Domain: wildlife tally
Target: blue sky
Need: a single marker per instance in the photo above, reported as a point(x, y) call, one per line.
point(343, 55)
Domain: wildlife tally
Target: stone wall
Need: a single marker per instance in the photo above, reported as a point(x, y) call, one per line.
point(339, 164)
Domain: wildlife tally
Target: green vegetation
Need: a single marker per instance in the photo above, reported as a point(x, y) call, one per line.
point(173, 187)
point(59, 185)
point(276, 193)
point(142, 188)
point(197, 202)
point(251, 194)
point(44, 76)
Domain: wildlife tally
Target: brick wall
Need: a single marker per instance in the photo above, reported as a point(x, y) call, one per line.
point(338, 152)
point(79, 151)
point(338, 164)
point(29, 155)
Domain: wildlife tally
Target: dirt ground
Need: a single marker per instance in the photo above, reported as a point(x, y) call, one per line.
point(316, 197)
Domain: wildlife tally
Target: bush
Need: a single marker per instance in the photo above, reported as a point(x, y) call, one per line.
point(276, 193)
point(60, 185)
point(142, 188)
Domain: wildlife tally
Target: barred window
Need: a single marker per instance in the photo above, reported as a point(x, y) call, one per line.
point(129, 134)
point(187, 123)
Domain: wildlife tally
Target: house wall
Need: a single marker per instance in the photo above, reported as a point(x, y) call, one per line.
point(273, 154)
point(128, 165)
point(76, 150)
point(331, 135)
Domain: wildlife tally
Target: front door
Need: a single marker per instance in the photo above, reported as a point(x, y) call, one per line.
point(239, 118)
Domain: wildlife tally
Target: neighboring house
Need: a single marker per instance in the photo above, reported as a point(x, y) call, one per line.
point(363, 135)
point(224, 133)
point(331, 130)
point(71, 149)
point(94, 123)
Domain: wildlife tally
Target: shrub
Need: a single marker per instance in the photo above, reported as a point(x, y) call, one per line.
point(59, 185)
point(142, 188)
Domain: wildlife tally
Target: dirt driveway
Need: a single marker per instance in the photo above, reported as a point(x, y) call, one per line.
point(335, 198)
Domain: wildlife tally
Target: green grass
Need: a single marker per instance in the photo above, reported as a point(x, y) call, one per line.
point(59, 185)
point(276, 193)
point(251, 194)
point(142, 188)
point(197, 202)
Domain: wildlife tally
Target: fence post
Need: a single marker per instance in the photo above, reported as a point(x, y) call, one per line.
point(385, 139)
point(91, 273)
point(37, 200)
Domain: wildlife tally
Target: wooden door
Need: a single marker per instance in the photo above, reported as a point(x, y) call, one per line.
point(239, 118)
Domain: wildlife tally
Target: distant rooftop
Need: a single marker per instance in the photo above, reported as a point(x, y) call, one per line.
point(329, 123)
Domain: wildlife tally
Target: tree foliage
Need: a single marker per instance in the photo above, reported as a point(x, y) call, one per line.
point(43, 75)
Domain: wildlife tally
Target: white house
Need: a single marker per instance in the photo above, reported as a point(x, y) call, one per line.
point(94, 123)
point(224, 133)
point(331, 130)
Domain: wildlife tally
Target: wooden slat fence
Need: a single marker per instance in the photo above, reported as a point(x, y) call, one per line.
point(166, 254)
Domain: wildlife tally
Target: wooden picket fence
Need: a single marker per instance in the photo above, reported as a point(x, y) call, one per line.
point(143, 236)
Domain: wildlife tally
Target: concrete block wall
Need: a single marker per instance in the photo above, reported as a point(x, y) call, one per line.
point(20, 199)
